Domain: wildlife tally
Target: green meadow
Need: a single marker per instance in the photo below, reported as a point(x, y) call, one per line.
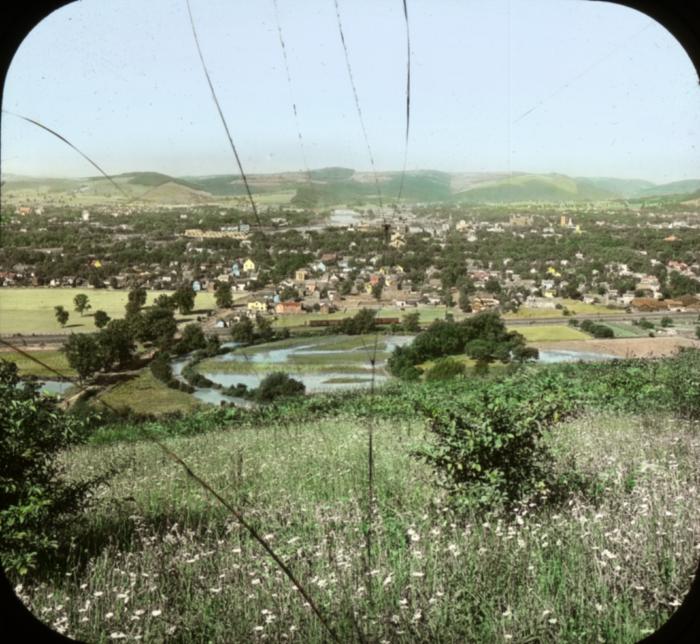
point(31, 310)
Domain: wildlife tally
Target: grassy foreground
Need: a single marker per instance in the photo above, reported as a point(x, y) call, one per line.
point(159, 559)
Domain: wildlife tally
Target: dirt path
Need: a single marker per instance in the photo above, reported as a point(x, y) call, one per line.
point(624, 347)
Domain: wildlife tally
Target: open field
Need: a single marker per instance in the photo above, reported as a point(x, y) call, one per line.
point(642, 347)
point(550, 332)
point(27, 367)
point(146, 395)
point(627, 330)
point(162, 561)
point(575, 306)
point(31, 310)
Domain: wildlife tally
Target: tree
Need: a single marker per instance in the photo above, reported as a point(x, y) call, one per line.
point(61, 315)
point(100, 319)
point(289, 293)
point(137, 298)
point(116, 343)
point(492, 285)
point(243, 331)
point(36, 501)
point(183, 298)
point(361, 322)
point(158, 326)
point(193, 338)
point(666, 321)
point(411, 322)
point(222, 295)
point(377, 289)
point(81, 303)
point(278, 385)
point(464, 301)
point(164, 301)
point(265, 331)
point(83, 353)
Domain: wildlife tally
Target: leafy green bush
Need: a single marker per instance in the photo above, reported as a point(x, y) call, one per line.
point(36, 502)
point(445, 369)
point(684, 383)
point(160, 368)
point(278, 385)
point(490, 452)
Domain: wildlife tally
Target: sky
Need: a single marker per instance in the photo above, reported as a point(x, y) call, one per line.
point(570, 86)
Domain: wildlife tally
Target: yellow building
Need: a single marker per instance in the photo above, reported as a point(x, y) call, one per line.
point(249, 265)
point(258, 307)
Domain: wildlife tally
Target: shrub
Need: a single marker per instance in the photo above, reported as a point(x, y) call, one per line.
point(160, 368)
point(278, 385)
point(445, 369)
point(683, 382)
point(193, 338)
point(490, 452)
point(36, 501)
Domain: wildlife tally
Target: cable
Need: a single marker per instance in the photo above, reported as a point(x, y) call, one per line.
point(67, 142)
point(357, 104)
point(221, 116)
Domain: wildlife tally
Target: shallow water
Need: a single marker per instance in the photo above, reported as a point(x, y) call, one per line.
point(318, 382)
point(56, 387)
point(548, 356)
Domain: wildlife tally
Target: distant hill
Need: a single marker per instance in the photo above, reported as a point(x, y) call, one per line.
point(327, 187)
point(675, 188)
point(534, 187)
point(625, 188)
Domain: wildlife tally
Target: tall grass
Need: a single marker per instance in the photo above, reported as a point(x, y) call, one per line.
point(161, 561)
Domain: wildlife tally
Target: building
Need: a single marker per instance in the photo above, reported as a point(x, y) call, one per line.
point(257, 306)
point(285, 308)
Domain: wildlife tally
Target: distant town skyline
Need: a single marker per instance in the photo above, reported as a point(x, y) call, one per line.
point(543, 86)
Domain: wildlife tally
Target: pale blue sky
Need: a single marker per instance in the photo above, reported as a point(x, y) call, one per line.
point(614, 93)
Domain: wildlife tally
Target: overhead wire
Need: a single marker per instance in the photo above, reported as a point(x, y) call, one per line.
point(67, 142)
point(408, 99)
point(283, 47)
point(222, 117)
point(358, 108)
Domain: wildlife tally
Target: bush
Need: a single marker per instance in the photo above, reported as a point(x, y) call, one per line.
point(445, 369)
point(684, 383)
point(36, 501)
point(491, 453)
point(160, 368)
point(278, 385)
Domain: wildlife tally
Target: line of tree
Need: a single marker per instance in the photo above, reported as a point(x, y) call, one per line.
point(483, 337)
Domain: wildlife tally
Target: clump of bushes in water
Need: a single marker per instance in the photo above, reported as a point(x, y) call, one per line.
point(161, 370)
point(483, 337)
point(196, 379)
point(277, 385)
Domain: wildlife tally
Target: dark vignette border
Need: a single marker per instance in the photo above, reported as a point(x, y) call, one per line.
point(680, 17)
